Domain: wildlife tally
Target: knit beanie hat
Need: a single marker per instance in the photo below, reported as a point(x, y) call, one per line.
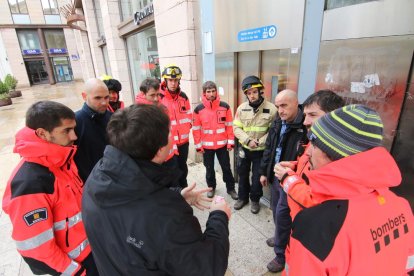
point(346, 131)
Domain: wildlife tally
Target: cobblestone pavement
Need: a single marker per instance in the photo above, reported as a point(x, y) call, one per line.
point(249, 253)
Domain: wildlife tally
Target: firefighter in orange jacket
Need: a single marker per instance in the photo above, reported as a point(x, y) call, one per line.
point(150, 94)
point(43, 195)
point(213, 135)
point(180, 114)
point(358, 227)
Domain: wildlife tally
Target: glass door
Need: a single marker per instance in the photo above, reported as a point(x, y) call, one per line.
point(36, 70)
point(62, 69)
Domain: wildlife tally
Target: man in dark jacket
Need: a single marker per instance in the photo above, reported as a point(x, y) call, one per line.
point(137, 225)
point(285, 141)
point(91, 122)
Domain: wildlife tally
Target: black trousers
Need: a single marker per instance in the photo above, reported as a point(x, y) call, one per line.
point(182, 164)
point(224, 161)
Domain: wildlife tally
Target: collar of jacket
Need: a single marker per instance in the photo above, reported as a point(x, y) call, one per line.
point(211, 104)
point(34, 149)
point(166, 93)
point(92, 114)
point(118, 179)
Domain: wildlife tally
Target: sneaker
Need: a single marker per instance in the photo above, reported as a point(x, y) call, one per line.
point(255, 207)
point(271, 242)
point(211, 193)
point(240, 204)
point(275, 267)
point(233, 194)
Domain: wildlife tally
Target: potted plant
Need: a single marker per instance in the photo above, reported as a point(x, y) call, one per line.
point(4, 95)
point(11, 82)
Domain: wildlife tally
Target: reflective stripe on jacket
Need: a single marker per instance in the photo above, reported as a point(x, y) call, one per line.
point(213, 125)
point(356, 217)
point(180, 114)
point(248, 125)
point(43, 199)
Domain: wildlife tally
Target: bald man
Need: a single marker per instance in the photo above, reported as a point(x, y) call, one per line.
point(285, 141)
point(91, 122)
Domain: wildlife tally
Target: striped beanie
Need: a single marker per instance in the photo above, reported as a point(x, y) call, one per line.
point(346, 131)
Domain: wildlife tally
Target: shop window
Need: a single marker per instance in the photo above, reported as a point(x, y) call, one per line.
point(143, 57)
point(29, 40)
point(55, 39)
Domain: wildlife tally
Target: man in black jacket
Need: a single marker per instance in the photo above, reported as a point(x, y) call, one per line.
point(137, 225)
point(285, 141)
point(91, 122)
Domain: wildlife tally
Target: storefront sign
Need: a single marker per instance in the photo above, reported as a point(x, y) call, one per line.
point(32, 52)
point(145, 12)
point(58, 51)
point(260, 33)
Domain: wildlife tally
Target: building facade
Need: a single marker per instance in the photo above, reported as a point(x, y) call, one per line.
point(37, 46)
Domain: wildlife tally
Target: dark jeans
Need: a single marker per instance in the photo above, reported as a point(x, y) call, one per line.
point(182, 164)
point(252, 159)
point(283, 221)
point(224, 160)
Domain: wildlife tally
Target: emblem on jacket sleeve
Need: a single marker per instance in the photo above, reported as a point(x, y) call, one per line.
point(35, 216)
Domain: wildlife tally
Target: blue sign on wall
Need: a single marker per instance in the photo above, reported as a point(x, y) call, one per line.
point(58, 51)
point(260, 33)
point(32, 52)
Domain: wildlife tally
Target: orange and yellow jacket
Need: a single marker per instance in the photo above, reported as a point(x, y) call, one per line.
point(140, 99)
point(213, 125)
point(358, 227)
point(43, 199)
point(180, 114)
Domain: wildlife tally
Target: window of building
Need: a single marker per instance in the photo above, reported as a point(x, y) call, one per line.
point(18, 9)
point(50, 7)
point(129, 7)
point(108, 70)
point(98, 16)
point(333, 4)
point(51, 11)
point(143, 57)
point(18, 6)
point(28, 39)
point(55, 39)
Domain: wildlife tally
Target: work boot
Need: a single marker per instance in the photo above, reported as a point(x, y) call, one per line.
point(240, 204)
point(274, 266)
point(255, 207)
point(211, 193)
point(271, 242)
point(233, 194)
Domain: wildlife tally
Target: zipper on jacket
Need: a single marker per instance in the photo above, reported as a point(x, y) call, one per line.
point(67, 232)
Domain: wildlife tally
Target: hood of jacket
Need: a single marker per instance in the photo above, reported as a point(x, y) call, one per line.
point(140, 99)
point(34, 149)
point(362, 173)
point(211, 104)
point(118, 179)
